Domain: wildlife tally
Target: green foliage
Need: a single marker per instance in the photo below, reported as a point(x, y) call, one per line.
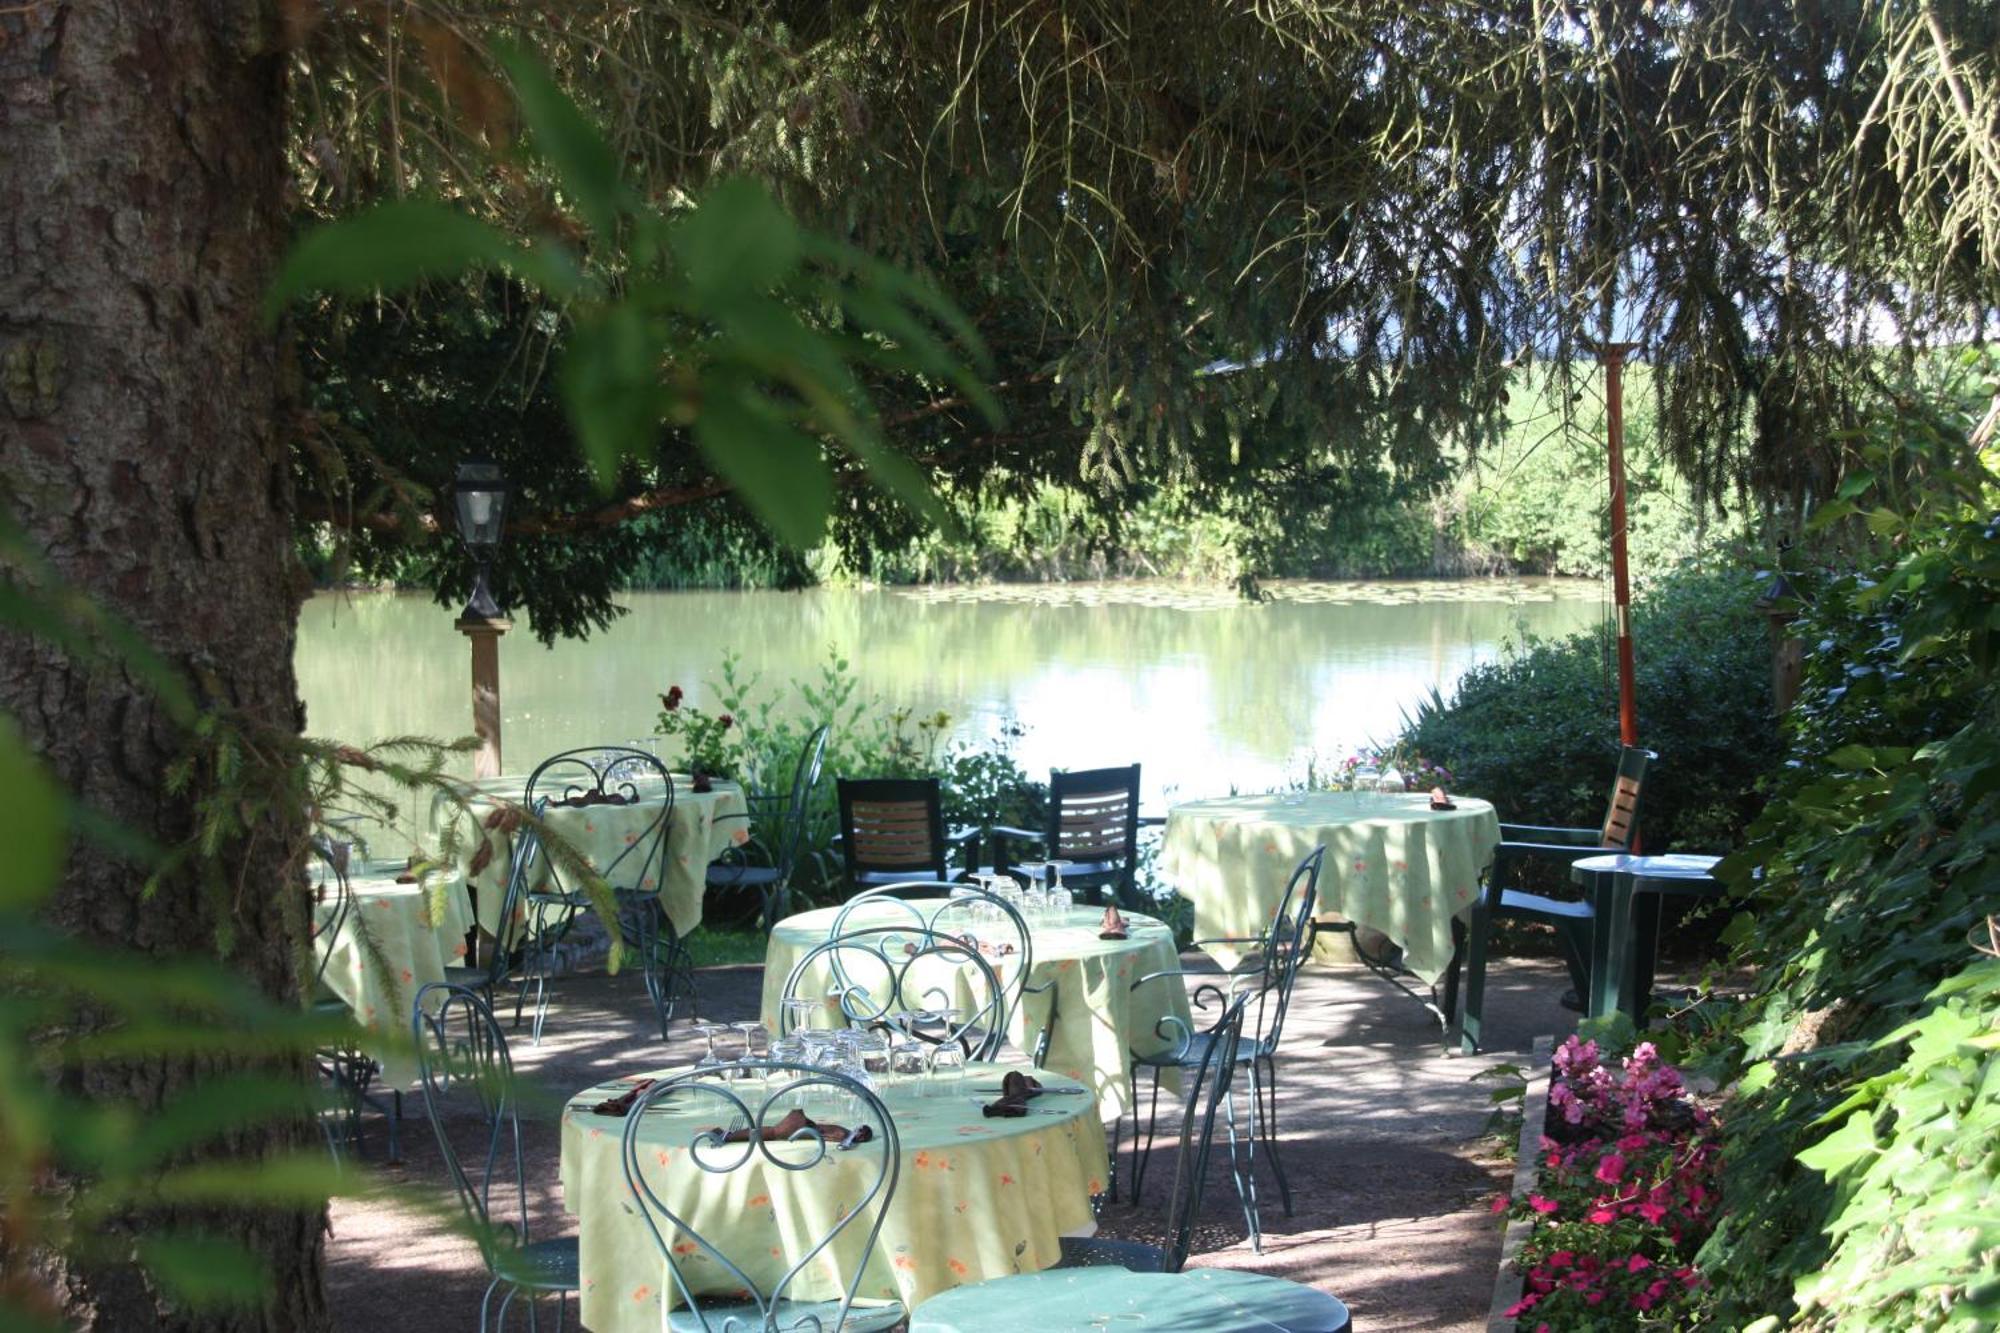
point(725, 321)
point(979, 787)
point(1540, 726)
point(1860, 1139)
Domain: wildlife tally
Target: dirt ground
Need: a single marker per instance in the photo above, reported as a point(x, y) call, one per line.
point(1380, 1132)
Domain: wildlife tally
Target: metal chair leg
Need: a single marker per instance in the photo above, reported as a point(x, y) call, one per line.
point(1243, 1169)
point(1141, 1153)
point(486, 1304)
point(500, 1325)
point(1264, 1088)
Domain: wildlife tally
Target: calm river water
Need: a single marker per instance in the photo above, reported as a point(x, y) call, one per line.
point(1208, 692)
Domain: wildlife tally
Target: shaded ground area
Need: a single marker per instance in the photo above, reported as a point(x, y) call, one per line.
point(1380, 1131)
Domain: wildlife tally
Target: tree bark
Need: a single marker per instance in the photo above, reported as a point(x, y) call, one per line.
point(141, 212)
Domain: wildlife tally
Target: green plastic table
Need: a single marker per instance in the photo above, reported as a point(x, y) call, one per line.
point(1626, 894)
point(1195, 1300)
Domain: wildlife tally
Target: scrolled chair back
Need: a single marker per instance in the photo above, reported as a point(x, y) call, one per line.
point(463, 1063)
point(594, 773)
point(678, 1135)
point(870, 973)
point(1285, 950)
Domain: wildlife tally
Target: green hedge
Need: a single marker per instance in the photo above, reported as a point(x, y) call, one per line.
point(1539, 727)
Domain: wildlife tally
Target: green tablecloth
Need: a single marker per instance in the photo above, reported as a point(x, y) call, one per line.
point(395, 939)
point(1100, 1020)
point(702, 826)
point(976, 1199)
point(1392, 863)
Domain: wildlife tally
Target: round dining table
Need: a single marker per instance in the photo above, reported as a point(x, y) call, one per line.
point(395, 939)
point(1393, 864)
point(1101, 1019)
point(975, 1198)
point(702, 826)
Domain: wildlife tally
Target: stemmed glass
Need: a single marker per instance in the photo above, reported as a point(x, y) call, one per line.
point(709, 1061)
point(947, 1071)
point(799, 1012)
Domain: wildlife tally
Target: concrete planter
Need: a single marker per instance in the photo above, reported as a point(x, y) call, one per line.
point(1507, 1285)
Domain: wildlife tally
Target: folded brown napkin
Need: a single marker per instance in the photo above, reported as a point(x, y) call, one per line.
point(406, 878)
point(701, 783)
point(1113, 926)
point(1016, 1091)
point(622, 1103)
point(794, 1122)
point(1439, 801)
point(578, 802)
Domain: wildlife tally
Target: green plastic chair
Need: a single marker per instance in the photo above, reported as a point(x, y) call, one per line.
point(1526, 844)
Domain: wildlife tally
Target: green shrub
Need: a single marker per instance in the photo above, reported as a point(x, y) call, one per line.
point(1863, 1175)
point(1538, 729)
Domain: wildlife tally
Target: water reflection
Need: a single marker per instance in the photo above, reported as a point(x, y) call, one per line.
point(1206, 691)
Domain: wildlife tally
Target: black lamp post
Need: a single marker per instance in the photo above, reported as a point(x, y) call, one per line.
point(479, 494)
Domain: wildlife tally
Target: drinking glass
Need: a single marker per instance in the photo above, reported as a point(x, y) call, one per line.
point(799, 1012)
point(874, 1048)
point(908, 1061)
point(1366, 791)
point(947, 1072)
point(709, 1060)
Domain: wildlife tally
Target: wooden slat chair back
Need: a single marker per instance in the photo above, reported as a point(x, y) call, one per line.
point(891, 828)
point(1094, 825)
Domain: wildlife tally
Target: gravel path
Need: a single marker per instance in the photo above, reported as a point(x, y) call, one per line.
point(1380, 1131)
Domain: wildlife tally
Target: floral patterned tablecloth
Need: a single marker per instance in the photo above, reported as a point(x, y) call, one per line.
point(703, 825)
point(1393, 864)
point(974, 1199)
point(1100, 1020)
point(395, 939)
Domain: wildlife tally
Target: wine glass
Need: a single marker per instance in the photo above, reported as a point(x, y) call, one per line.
point(709, 1061)
point(907, 1062)
point(799, 1013)
point(947, 1071)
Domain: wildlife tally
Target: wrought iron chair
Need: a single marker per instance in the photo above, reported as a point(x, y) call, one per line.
point(773, 882)
point(523, 865)
point(1206, 1083)
point(757, 1278)
point(1523, 845)
point(1099, 1280)
point(464, 1065)
point(892, 830)
point(956, 916)
point(1093, 825)
point(1266, 976)
point(347, 1071)
point(871, 973)
point(580, 777)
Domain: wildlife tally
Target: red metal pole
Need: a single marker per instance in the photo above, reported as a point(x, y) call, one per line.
point(1613, 357)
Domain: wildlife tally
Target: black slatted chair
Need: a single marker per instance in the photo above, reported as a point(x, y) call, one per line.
point(1093, 825)
point(892, 831)
point(789, 815)
point(1526, 845)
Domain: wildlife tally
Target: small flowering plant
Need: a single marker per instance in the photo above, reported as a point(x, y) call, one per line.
point(1628, 1192)
point(1418, 773)
point(707, 746)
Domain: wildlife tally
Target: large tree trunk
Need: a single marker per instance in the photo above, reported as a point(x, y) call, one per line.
point(141, 181)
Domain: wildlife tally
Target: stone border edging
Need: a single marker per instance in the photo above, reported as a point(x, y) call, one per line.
point(1507, 1283)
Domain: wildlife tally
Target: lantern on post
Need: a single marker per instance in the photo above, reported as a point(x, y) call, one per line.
point(1780, 606)
point(479, 497)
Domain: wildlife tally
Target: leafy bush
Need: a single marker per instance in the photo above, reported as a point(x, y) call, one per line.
point(1862, 1168)
point(978, 787)
point(1539, 727)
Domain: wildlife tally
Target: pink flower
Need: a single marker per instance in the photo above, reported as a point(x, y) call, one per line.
point(1522, 1306)
point(1638, 1263)
point(1562, 1259)
point(1499, 1204)
point(1610, 1168)
point(1602, 1216)
point(1652, 1212)
point(1542, 1205)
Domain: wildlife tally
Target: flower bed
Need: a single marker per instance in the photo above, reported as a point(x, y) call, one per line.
point(1627, 1192)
